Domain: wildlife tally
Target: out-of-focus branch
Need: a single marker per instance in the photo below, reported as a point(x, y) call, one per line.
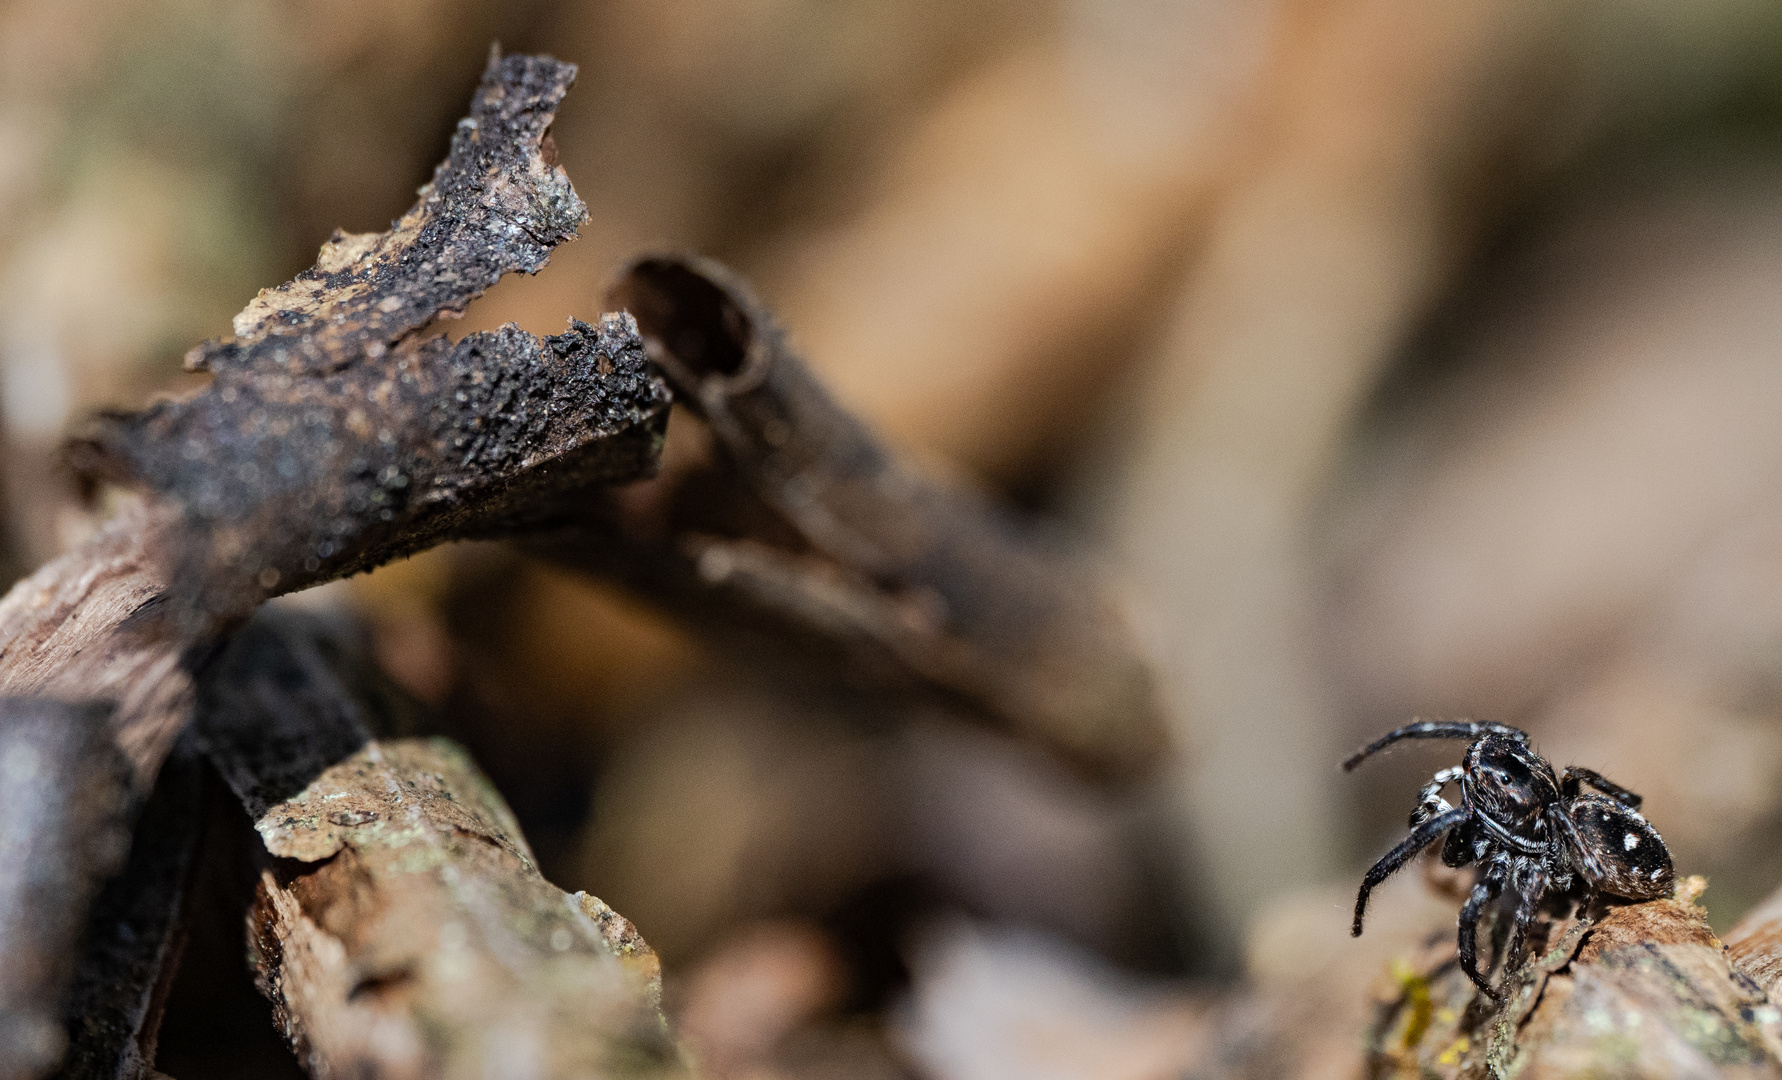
point(64, 788)
point(1755, 945)
point(402, 928)
point(133, 939)
point(799, 513)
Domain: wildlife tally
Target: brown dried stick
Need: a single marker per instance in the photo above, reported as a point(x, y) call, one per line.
point(1755, 945)
point(335, 437)
point(402, 928)
point(800, 513)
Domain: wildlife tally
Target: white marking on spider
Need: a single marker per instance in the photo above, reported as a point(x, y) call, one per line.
point(1630, 841)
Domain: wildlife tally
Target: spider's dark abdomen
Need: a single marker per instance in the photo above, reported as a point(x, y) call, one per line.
point(1623, 854)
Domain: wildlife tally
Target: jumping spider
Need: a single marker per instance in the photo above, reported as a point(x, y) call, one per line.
point(1533, 834)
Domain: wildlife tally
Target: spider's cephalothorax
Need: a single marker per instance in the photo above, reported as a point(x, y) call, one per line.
point(1535, 836)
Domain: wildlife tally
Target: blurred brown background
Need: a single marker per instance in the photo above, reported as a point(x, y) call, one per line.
point(1399, 357)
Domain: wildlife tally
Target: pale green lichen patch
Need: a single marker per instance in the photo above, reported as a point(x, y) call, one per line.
point(423, 797)
point(447, 930)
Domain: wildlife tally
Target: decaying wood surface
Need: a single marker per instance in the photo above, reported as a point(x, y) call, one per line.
point(1755, 945)
point(1636, 990)
point(796, 511)
point(401, 927)
point(337, 433)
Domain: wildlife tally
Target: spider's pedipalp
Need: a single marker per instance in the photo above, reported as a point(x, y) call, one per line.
point(1429, 801)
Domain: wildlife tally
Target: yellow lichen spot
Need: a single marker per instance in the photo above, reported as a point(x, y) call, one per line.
point(1691, 888)
point(1452, 1055)
point(1415, 990)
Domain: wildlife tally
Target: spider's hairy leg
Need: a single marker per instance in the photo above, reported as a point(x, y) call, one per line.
point(1429, 801)
point(1530, 886)
point(1488, 886)
point(1574, 775)
point(1434, 729)
point(1421, 837)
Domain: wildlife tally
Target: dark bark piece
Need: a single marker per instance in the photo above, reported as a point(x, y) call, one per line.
point(289, 697)
point(132, 940)
point(334, 439)
point(799, 512)
point(401, 928)
point(498, 203)
point(65, 792)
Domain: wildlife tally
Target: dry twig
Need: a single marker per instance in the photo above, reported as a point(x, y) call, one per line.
point(335, 435)
point(799, 513)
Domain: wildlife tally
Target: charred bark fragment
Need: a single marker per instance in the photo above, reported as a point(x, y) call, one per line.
point(132, 943)
point(333, 438)
point(335, 435)
point(401, 927)
point(799, 513)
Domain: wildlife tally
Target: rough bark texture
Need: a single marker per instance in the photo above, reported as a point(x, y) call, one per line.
point(401, 927)
point(1755, 945)
point(799, 512)
point(334, 438)
point(1641, 990)
point(64, 788)
point(335, 435)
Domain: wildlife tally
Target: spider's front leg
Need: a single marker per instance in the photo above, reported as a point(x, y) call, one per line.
point(1429, 801)
point(1490, 883)
point(1575, 775)
point(1421, 837)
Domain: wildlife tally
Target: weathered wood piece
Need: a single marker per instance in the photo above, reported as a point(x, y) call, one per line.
point(1755, 945)
point(64, 789)
point(133, 936)
point(1637, 990)
point(798, 512)
point(336, 436)
point(401, 927)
